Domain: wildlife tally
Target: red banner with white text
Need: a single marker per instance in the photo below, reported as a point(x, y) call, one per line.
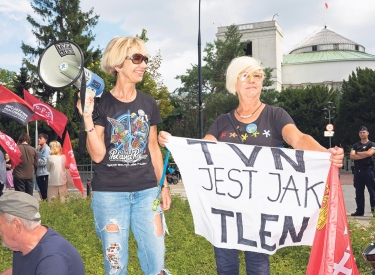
point(42, 111)
point(11, 149)
point(14, 107)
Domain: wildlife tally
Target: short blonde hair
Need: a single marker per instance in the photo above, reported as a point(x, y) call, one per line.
point(116, 51)
point(236, 66)
point(55, 148)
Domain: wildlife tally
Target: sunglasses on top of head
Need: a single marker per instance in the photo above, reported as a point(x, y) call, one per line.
point(137, 58)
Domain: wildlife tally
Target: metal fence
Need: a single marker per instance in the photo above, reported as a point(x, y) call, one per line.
point(86, 171)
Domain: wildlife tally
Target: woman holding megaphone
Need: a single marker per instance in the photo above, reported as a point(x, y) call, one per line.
point(122, 142)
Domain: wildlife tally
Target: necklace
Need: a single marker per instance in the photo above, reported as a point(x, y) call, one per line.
point(250, 114)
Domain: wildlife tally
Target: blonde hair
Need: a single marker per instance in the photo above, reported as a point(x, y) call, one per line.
point(55, 148)
point(236, 66)
point(116, 51)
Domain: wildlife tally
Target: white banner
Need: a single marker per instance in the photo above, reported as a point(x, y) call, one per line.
point(251, 198)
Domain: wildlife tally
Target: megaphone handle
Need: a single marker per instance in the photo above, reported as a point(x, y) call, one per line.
point(76, 112)
point(83, 91)
point(82, 133)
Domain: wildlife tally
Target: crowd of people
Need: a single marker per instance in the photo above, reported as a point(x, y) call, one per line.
point(124, 144)
point(34, 169)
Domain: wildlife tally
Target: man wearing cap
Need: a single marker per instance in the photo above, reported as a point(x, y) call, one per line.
point(362, 153)
point(37, 248)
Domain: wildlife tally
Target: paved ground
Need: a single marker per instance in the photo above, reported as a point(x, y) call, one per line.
point(348, 190)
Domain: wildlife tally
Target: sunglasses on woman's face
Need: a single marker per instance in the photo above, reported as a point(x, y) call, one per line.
point(137, 58)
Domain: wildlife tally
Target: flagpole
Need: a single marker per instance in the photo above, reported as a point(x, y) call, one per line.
point(36, 134)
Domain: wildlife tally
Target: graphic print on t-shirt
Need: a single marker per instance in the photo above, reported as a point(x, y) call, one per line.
point(129, 135)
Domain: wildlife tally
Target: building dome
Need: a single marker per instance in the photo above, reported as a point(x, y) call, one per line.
point(326, 40)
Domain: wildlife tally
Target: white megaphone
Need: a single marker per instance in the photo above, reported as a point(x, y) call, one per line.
point(61, 65)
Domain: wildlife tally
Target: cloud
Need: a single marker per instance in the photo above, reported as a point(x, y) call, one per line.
point(15, 10)
point(172, 26)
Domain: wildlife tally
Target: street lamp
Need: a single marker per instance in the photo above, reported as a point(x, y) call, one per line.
point(200, 101)
point(329, 113)
point(276, 14)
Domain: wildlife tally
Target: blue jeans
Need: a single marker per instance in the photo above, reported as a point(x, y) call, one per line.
point(227, 262)
point(114, 214)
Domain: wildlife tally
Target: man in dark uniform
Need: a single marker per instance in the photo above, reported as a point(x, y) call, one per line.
point(362, 153)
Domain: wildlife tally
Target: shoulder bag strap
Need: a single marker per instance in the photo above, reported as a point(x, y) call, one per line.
point(235, 128)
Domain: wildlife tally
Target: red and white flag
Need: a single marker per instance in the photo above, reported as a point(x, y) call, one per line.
point(331, 252)
point(67, 150)
point(11, 105)
point(42, 111)
point(326, 5)
point(11, 149)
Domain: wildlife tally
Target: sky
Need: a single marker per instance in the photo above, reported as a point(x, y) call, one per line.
point(172, 25)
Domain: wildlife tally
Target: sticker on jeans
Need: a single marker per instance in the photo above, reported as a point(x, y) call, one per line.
point(113, 258)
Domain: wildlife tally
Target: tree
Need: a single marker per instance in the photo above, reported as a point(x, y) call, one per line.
point(268, 96)
point(56, 20)
point(218, 56)
point(356, 106)
point(6, 78)
point(215, 97)
point(21, 81)
point(60, 20)
point(305, 107)
point(152, 82)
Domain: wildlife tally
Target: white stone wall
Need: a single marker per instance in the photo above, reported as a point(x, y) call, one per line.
point(330, 73)
point(267, 41)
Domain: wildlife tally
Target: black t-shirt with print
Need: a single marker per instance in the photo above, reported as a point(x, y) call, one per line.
point(127, 165)
point(264, 131)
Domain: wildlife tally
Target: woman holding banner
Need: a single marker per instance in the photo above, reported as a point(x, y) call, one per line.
point(254, 123)
point(123, 144)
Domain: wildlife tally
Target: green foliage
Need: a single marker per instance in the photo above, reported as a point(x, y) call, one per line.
point(152, 82)
point(183, 121)
point(59, 20)
point(356, 106)
point(54, 20)
point(218, 56)
point(267, 81)
point(21, 81)
point(305, 107)
point(6, 78)
point(270, 97)
point(186, 252)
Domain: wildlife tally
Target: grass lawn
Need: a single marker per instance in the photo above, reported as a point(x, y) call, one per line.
point(186, 253)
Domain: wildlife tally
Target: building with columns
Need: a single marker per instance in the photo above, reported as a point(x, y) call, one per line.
point(324, 58)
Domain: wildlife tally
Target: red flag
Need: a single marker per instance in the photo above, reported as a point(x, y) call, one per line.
point(326, 5)
point(42, 111)
point(71, 163)
point(332, 252)
point(11, 105)
point(11, 149)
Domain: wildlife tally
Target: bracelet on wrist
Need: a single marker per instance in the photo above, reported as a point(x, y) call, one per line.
point(90, 130)
point(166, 186)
